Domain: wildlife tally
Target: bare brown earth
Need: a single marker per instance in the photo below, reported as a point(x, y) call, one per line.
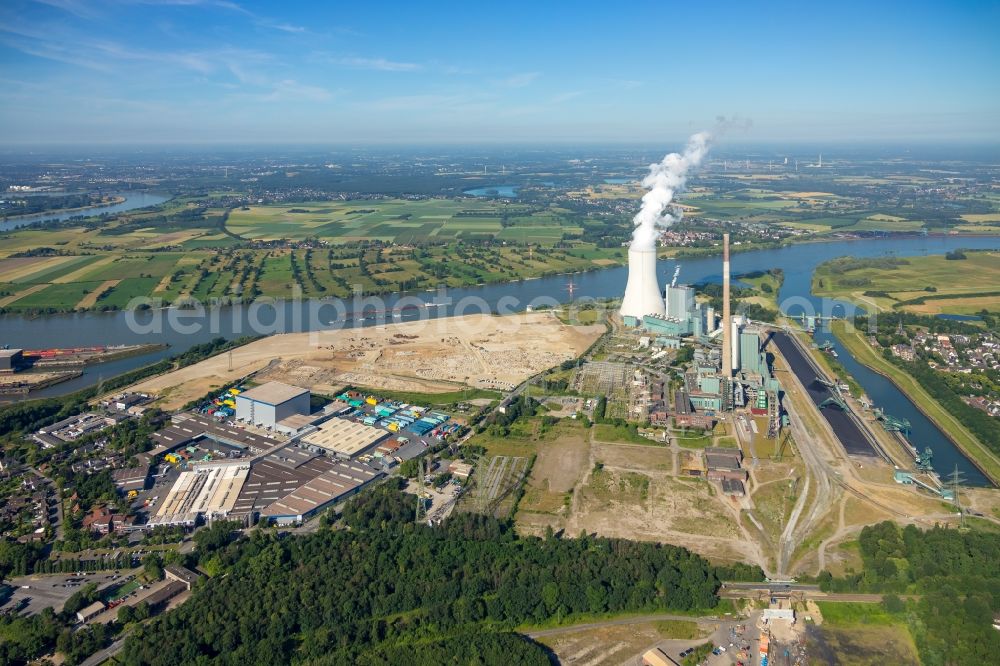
point(630, 491)
point(436, 355)
point(613, 645)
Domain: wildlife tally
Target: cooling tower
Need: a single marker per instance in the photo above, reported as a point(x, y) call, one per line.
point(642, 292)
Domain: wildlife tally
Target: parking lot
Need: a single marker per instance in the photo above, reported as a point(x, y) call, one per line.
point(53, 590)
point(735, 642)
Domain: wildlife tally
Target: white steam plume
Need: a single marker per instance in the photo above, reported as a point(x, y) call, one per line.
point(665, 179)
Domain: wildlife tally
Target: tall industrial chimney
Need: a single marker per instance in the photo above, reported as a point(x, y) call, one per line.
point(727, 319)
point(642, 291)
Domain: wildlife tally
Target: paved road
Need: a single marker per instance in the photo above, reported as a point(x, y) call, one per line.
point(105, 654)
point(796, 587)
point(638, 619)
point(753, 590)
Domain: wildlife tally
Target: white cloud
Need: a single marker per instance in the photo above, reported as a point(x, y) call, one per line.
point(380, 64)
point(290, 90)
point(565, 97)
point(519, 80)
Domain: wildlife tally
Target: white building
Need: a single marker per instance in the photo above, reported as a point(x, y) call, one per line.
point(680, 301)
point(269, 403)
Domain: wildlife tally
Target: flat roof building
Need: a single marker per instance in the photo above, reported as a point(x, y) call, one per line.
point(657, 657)
point(165, 593)
point(344, 439)
point(296, 423)
point(130, 478)
point(269, 403)
point(340, 482)
point(10, 359)
point(274, 477)
point(181, 574)
point(208, 489)
point(723, 459)
point(90, 612)
point(733, 487)
point(186, 427)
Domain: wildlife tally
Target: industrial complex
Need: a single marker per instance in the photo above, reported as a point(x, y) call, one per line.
point(263, 454)
point(731, 370)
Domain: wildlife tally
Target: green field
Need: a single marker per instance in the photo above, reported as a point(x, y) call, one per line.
point(953, 286)
point(401, 221)
point(182, 252)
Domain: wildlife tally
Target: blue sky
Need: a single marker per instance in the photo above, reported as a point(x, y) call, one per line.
point(191, 71)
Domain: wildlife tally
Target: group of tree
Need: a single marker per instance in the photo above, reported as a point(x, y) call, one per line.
point(388, 587)
point(498, 423)
point(955, 572)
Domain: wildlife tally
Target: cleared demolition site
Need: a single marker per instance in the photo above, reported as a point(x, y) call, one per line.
point(432, 356)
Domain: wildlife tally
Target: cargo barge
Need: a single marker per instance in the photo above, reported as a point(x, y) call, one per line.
point(80, 356)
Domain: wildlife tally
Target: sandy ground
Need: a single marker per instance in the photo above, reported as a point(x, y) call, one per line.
point(612, 645)
point(436, 355)
point(28, 378)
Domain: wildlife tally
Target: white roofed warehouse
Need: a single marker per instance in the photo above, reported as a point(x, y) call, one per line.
point(207, 489)
point(344, 439)
point(269, 403)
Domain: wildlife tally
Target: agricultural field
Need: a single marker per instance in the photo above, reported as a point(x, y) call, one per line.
point(403, 222)
point(925, 285)
point(185, 253)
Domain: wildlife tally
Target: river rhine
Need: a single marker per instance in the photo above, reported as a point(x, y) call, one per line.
point(133, 200)
point(797, 261)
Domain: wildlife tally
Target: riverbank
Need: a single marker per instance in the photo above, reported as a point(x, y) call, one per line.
point(55, 212)
point(950, 426)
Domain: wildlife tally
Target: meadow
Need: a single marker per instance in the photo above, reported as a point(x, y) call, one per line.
point(928, 285)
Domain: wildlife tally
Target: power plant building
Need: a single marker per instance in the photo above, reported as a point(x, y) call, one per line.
point(734, 344)
point(680, 301)
point(269, 403)
point(752, 359)
point(666, 326)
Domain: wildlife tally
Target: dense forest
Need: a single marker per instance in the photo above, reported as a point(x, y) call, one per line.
point(386, 586)
point(957, 574)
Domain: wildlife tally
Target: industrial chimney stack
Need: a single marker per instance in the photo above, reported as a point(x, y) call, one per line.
point(727, 319)
point(642, 291)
